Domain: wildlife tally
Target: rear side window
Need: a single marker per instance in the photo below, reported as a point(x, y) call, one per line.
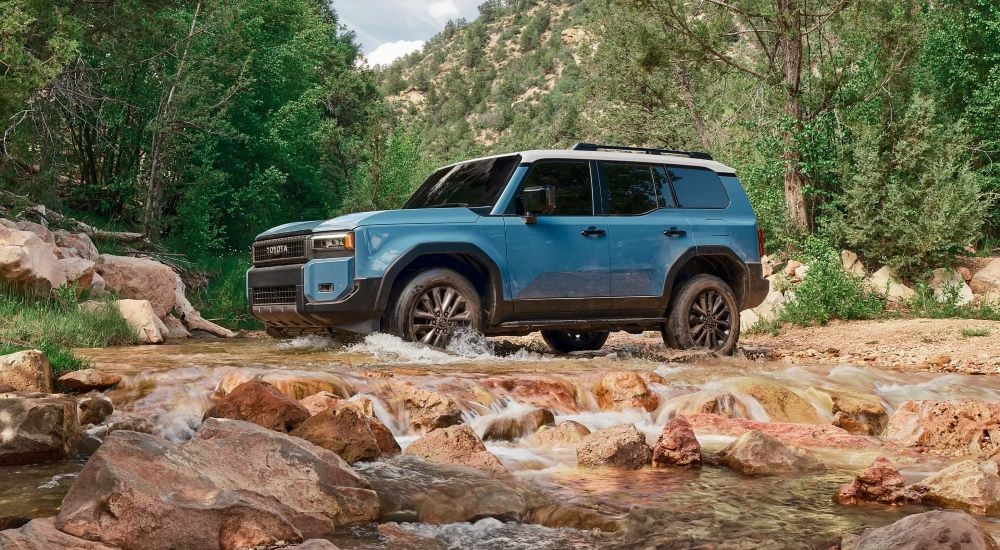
point(631, 188)
point(574, 195)
point(698, 187)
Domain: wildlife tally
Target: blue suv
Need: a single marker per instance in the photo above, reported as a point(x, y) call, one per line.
point(574, 243)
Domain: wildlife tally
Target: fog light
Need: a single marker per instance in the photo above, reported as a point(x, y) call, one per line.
point(326, 287)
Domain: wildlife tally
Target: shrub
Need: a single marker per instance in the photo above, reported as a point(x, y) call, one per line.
point(224, 301)
point(927, 304)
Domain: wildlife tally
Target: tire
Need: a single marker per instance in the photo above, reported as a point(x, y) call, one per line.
point(416, 313)
point(689, 326)
point(566, 342)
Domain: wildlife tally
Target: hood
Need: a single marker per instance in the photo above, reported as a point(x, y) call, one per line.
point(382, 217)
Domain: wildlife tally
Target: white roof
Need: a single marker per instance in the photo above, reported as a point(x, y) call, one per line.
point(626, 156)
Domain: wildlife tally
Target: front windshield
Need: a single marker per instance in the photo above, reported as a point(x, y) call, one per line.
point(471, 184)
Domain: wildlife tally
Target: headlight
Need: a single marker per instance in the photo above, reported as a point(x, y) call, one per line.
point(333, 242)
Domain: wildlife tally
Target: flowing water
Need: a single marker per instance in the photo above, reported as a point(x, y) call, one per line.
point(172, 385)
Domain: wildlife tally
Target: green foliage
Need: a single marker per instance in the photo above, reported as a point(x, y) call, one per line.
point(974, 332)
point(927, 304)
point(224, 301)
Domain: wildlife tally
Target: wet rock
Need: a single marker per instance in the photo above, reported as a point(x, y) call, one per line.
point(28, 262)
point(313, 544)
point(756, 453)
point(859, 413)
point(880, 483)
point(949, 284)
point(139, 279)
point(516, 427)
point(94, 410)
point(342, 430)
point(575, 516)
point(625, 390)
point(960, 427)
point(26, 371)
point(121, 420)
point(319, 402)
point(801, 435)
point(936, 530)
point(139, 315)
point(233, 485)
point(723, 404)
point(41, 534)
point(851, 264)
point(262, 404)
point(456, 445)
point(887, 283)
point(545, 393)
point(87, 380)
point(175, 328)
point(622, 446)
point(36, 428)
point(987, 279)
point(566, 433)
point(13, 522)
point(387, 443)
point(295, 385)
point(972, 485)
point(427, 410)
point(677, 445)
point(782, 404)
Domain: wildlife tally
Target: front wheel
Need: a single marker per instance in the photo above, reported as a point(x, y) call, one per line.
point(434, 306)
point(704, 315)
point(565, 342)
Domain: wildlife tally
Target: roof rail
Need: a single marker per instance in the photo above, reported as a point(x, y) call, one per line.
point(647, 150)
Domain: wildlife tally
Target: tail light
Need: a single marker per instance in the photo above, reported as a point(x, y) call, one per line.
point(760, 241)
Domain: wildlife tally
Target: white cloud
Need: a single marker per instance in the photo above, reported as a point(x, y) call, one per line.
point(444, 10)
point(391, 51)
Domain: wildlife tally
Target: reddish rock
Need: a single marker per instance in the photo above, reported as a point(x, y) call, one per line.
point(799, 435)
point(319, 402)
point(756, 453)
point(387, 443)
point(36, 427)
point(861, 414)
point(427, 410)
point(880, 483)
point(86, 380)
point(41, 534)
point(295, 385)
point(960, 427)
point(262, 404)
point(987, 279)
point(622, 446)
point(935, 530)
point(342, 430)
point(545, 393)
point(972, 485)
point(566, 433)
point(457, 445)
point(510, 428)
point(95, 410)
point(625, 390)
point(139, 279)
point(26, 371)
point(677, 445)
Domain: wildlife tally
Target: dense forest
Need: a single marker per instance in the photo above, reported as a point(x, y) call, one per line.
point(870, 125)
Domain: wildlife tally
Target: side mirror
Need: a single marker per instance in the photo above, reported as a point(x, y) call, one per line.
point(538, 200)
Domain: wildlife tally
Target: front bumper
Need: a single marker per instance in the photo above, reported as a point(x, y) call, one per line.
point(354, 312)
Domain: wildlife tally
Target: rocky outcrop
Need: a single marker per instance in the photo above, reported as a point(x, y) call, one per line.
point(295, 385)
point(41, 534)
point(987, 279)
point(233, 485)
point(262, 404)
point(567, 433)
point(456, 445)
point(345, 431)
point(27, 371)
point(756, 453)
point(887, 283)
point(139, 279)
point(949, 284)
point(856, 413)
point(677, 445)
point(625, 390)
point(79, 243)
point(800, 435)
point(509, 428)
point(86, 380)
point(94, 410)
point(960, 427)
point(28, 262)
point(936, 530)
point(139, 315)
point(427, 410)
point(972, 485)
point(36, 428)
point(622, 446)
point(880, 483)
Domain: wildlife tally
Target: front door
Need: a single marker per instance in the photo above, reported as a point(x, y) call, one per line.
point(560, 264)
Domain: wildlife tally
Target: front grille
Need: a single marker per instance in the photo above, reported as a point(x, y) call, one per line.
point(289, 250)
point(273, 295)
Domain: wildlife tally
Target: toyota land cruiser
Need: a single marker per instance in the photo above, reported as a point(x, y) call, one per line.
point(573, 243)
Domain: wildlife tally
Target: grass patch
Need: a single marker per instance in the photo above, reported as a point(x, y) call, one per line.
point(224, 301)
point(975, 332)
point(927, 304)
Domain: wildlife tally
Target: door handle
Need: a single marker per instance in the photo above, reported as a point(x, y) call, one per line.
point(675, 233)
point(593, 232)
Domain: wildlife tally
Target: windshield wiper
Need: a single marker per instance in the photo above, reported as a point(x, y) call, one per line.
point(450, 205)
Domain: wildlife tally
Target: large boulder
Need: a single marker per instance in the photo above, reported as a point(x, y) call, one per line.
point(139, 279)
point(79, 243)
point(625, 390)
point(36, 428)
point(86, 380)
point(782, 404)
point(887, 283)
point(294, 384)
point(677, 445)
point(456, 445)
point(427, 410)
point(987, 279)
point(233, 485)
point(756, 453)
point(880, 483)
point(971, 484)
point(38, 229)
point(347, 432)
point(567, 433)
point(261, 403)
point(960, 427)
point(28, 262)
point(41, 534)
point(140, 315)
point(948, 283)
point(79, 272)
point(512, 427)
point(935, 530)
point(27, 371)
point(622, 446)
point(857, 413)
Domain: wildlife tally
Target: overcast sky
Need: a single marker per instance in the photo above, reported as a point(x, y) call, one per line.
point(388, 29)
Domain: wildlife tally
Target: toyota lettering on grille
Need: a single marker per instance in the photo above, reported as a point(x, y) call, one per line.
point(277, 249)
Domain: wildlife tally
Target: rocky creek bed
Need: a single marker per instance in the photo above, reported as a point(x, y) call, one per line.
point(508, 448)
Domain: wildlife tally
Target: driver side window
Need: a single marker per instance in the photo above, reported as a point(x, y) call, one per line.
point(571, 180)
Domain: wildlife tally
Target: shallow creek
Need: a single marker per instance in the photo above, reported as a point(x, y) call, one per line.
point(172, 385)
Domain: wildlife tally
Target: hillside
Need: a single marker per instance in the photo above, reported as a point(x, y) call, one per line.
point(511, 79)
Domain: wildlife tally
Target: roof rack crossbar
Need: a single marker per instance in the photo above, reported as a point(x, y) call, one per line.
point(646, 150)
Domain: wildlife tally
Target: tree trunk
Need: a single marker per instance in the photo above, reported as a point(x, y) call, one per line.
point(790, 23)
point(687, 93)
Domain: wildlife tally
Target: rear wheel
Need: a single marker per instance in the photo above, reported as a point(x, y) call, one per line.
point(434, 306)
point(565, 342)
point(704, 314)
